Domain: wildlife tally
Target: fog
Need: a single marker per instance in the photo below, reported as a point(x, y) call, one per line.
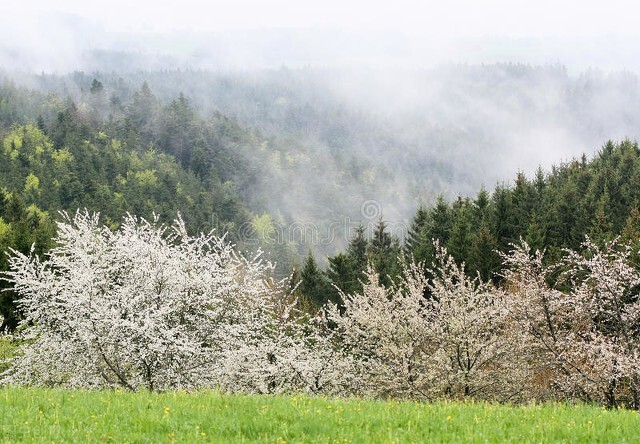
point(372, 103)
point(454, 18)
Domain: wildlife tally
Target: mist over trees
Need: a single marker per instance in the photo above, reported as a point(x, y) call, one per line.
point(335, 137)
point(406, 263)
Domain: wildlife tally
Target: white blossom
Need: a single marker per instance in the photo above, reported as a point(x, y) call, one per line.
point(150, 306)
point(583, 334)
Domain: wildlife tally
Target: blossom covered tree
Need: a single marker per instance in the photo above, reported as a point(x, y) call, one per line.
point(583, 333)
point(535, 316)
point(427, 338)
point(605, 311)
point(476, 355)
point(150, 306)
point(386, 331)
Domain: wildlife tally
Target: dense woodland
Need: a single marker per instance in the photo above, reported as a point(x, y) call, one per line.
point(552, 211)
point(73, 142)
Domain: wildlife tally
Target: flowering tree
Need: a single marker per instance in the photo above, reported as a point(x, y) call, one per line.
point(427, 338)
point(148, 306)
point(583, 337)
point(475, 355)
point(386, 331)
point(535, 320)
point(605, 312)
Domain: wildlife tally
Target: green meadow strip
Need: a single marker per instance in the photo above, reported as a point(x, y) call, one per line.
point(51, 415)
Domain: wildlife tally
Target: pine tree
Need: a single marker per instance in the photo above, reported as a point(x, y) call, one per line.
point(417, 245)
point(384, 251)
point(483, 256)
point(313, 283)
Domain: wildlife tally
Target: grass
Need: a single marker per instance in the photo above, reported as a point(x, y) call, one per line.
point(53, 415)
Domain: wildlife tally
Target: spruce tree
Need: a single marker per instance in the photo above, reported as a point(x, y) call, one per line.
point(357, 250)
point(384, 251)
point(313, 283)
point(483, 257)
point(461, 239)
point(418, 246)
point(440, 221)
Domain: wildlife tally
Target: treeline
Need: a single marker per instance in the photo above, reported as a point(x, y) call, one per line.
point(288, 156)
point(552, 211)
point(113, 150)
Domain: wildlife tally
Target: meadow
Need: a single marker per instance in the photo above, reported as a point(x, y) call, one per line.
point(55, 415)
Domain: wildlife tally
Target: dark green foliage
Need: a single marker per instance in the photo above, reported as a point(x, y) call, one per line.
point(461, 239)
point(342, 277)
point(313, 285)
point(384, 253)
point(346, 270)
point(631, 235)
point(483, 256)
point(417, 244)
point(598, 198)
point(440, 221)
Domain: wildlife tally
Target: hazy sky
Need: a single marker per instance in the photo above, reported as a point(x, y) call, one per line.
point(51, 35)
point(458, 18)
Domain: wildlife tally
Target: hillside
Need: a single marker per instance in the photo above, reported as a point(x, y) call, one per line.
point(337, 137)
point(307, 156)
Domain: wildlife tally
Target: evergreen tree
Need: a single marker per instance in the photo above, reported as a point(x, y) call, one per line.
point(461, 239)
point(522, 204)
point(481, 208)
point(535, 235)
point(342, 277)
point(417, 245)
point(503, 225)
point(601, 230)
point(631, 236)
point(357, 250)
point(384, 252)
point(440, 221)
point(313, 283)
point(484, 258)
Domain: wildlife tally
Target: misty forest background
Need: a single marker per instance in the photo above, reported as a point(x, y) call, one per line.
point(255, 153)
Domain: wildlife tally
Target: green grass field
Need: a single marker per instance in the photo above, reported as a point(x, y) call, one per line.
point(37, 415)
